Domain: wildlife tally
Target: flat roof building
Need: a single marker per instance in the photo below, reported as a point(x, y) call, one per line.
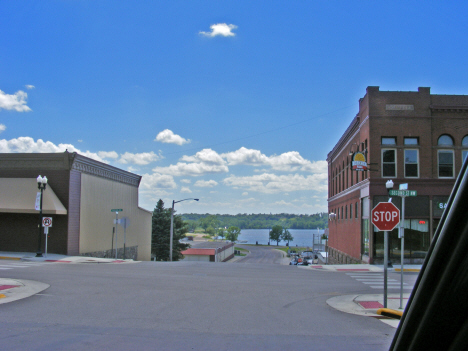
point(415, 138)
point(80, 195)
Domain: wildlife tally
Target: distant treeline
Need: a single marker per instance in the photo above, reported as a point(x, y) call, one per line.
point(256, 221)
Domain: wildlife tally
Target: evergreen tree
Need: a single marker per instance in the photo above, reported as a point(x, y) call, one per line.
point(161, 231)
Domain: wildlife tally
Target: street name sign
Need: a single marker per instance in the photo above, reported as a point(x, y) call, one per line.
point(117, 210)
point(385, 216)
point(403, 193)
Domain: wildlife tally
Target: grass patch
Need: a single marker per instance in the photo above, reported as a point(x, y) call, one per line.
point(240, 249)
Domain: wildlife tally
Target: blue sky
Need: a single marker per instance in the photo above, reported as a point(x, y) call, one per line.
point(233, 102)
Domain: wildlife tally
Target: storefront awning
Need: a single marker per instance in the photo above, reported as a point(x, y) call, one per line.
point(18, 195)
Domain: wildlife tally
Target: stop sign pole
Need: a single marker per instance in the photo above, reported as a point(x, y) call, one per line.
point(385, 216)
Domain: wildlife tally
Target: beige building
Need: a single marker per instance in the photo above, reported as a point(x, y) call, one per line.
point(80, 196)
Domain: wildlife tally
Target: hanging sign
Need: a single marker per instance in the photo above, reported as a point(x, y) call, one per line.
point(38, 201)
point(359, 162)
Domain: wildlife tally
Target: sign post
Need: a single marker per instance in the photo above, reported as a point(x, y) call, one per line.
point(403, 193)
point(116, 210)
point(46, 223)
point(385, 217)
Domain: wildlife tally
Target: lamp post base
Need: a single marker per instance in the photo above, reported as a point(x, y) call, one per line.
point(39, 254)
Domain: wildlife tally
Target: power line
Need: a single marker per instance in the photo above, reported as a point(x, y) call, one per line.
point(261, 133)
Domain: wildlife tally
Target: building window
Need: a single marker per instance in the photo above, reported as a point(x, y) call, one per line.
point(388, 163)
point(388, 140)
point(346, 212)
point(411, 163)
point(356, 210)
point(464, 145)
point(411, 141)
point(445, 140)
point(351, 211)
point(445, 162)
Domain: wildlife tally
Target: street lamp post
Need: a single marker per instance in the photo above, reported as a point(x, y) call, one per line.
point(41, 184)
point(172, 225)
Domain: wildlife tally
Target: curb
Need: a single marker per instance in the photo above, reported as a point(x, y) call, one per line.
point(388, 312)
point(10, 258)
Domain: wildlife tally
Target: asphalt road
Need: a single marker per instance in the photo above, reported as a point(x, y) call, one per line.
point(186, 306)
point(261, 254)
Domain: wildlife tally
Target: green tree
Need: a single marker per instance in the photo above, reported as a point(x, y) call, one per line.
point(210, 230)
point(221, 232)
point(286, 236)
point(160, 234)
point(232, 233)
point(275, 233)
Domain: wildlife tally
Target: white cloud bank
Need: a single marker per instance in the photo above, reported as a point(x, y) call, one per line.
point(167, 136)
point(209, 161)
point(203, 162)
point(269, 183)
point(222, 29)
point(2, 127)
point(29, 145)
point(16, 102)
point(289, 161)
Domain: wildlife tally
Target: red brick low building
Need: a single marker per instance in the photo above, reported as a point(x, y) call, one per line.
point(415, 138)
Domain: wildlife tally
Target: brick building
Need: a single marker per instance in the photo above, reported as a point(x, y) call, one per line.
point(409, 137)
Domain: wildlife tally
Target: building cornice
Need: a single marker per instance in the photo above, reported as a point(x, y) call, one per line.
point(89, 166)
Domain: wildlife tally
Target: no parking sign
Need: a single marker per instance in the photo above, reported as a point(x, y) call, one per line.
point(47, 222)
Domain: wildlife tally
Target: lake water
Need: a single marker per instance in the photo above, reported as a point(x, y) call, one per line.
point(302, 237)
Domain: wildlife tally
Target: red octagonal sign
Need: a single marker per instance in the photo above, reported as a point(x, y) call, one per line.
point(385, 216)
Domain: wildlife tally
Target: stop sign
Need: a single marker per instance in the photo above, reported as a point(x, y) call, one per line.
point(385, 216)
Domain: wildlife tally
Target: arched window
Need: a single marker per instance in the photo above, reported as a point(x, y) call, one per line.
point(465, 141)
point(464, 145)
point(445, 140)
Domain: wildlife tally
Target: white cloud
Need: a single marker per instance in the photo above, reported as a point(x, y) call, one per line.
point(27, 144)
point(108, 154)
point(203, 162)
point(186, 190)
point(246, 157)
point(191, 169)
point(186, 181)
point(132, 169)
point(206, 183)
point(271, 183)
point(156, 180)
point(29, 86)
point(2, 127)
point(206, 156)
point(221, 29)
point(290, 161)
point(167, 136)
point(245, 193)
point(16, 102)
point(141, 159)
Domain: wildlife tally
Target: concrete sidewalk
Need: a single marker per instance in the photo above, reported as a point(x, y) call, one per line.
point(366, 305)
point(14, 289)
point(31, 257)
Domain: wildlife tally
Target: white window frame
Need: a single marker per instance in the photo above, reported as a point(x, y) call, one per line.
point(382, 162)
point(438, 163)
point(404, 161)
